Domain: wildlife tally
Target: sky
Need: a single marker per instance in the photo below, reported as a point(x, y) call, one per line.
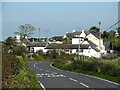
point(57, 18)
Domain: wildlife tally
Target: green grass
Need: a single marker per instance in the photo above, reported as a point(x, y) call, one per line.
point(38, 59)
point(66, 67)
point(113, 39)
point(116, 63)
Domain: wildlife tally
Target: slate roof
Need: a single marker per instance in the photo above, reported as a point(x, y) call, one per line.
point(34, 44)
point(57, 38)
point(71, 46)
point(66, 46)
point(92, 44)
point(95, 48)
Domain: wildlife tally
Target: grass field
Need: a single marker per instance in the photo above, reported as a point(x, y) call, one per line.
point(116, 63)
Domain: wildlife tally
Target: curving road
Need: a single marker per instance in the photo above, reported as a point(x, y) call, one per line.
point(53, 78)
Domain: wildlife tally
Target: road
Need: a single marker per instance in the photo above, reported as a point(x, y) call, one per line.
point(53, 78)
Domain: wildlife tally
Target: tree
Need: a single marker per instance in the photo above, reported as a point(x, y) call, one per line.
point(111, 34)
point(105, 35)
point(25, 30)
point(94, 29)
point(118, 29)
point(10, 41)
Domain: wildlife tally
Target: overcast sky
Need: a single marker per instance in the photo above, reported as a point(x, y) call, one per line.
point(57, 18)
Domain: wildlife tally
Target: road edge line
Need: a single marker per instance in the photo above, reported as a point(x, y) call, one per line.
point(42, 85)
point(86, 75)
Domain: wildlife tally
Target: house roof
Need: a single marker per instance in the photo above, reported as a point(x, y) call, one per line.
point(95, 48)
point(95, 34)
point(34, 44)
point(92, 44)
point(58, 38)
point(71, 46)
point(67, 46)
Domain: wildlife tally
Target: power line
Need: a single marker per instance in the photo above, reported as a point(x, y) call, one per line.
point(112, 25)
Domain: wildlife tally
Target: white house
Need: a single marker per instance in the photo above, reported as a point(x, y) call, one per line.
point(93, 37)
point(35, 46)
point(85, 49)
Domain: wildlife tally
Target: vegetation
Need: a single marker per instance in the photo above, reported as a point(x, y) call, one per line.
point(95, 29)
point(68, 68)
point(15, 71)
point(91, 66)
point(25, 30)
point(106, 71)
point(116, 62)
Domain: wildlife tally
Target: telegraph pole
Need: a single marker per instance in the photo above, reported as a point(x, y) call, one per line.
point(39, 35)
point(79, 45)
point(100, 38)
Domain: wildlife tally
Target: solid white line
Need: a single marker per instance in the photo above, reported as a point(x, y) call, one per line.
point(84, 85)
point(73, 79)
point(42, 85)
point(100, 79)
point(86, 75)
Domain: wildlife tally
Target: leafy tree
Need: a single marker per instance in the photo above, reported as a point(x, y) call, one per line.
point(10, 41)
point(94, 29)
point(111, 34)
point(105, 35)
point(25, 30)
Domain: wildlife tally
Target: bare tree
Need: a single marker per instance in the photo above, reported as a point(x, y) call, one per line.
point(25, 30)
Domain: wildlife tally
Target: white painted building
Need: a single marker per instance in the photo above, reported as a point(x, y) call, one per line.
point(85, 49)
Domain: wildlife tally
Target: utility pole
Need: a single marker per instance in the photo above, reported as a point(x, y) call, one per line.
point(100, 38)
point(79, 45)
point(46, 32)
point(39, 35)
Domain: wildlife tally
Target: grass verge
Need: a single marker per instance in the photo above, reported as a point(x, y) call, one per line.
point(67, 67)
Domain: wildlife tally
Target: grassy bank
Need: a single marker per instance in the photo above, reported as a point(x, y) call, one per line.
point(69, 67)
point(116, 63)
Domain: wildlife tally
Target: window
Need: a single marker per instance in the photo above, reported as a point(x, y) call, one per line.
point(70, 50)
point(67, 50)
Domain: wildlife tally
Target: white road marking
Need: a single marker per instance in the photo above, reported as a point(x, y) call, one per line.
point(54, 73)
point(35, 64)
point(47, 71)
point(46, 74)
point(73, 79)
point(62, 75)
point(84, 85)
point(85, 75)
point(42, 74)
point(41, 69)
point(42, 85)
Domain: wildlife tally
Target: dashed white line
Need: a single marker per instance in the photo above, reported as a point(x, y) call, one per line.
point(73, 79)
point(62, 75)
point(47, 71)
point(86, 75)
point(84, 85)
